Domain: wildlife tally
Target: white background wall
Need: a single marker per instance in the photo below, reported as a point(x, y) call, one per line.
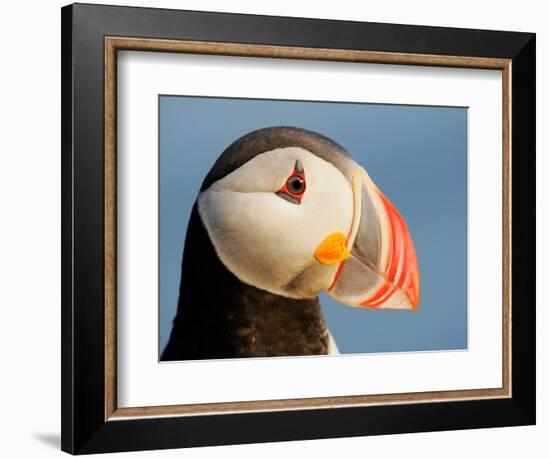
point(30, 227)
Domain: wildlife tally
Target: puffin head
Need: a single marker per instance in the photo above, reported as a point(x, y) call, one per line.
point(290, 212)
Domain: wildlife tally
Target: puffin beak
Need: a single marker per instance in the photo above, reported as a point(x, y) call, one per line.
point(377, 265)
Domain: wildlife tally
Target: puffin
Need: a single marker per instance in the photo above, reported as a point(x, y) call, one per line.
point(283, 214)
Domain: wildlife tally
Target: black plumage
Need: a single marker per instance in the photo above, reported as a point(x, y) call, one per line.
point(219, 316)
point(259, 141)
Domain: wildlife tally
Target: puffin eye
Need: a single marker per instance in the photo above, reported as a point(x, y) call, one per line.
point(295, 185)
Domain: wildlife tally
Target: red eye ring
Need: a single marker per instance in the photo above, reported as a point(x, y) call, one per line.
point(295, 185)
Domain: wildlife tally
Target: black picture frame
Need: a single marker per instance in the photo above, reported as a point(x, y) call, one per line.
point(84, 426)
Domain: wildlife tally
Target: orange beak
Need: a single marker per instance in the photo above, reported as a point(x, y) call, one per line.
point(401, 266)
point(380, 268)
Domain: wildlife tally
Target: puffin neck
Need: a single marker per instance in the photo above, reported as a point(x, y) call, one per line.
point(219, 316)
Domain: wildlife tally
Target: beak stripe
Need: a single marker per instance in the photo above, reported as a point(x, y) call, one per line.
point(403, 268)
point(383, 299)
point(395, 272)
point(336, 275)
point(380, 295)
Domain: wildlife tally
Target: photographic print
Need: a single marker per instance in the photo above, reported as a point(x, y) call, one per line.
point(306, 228)
point(311, 229)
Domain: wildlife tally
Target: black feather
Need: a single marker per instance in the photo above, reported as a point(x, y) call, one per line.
point(219, 316)
point(259, 141)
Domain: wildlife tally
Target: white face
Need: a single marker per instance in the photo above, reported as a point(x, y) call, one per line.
point(268, 241)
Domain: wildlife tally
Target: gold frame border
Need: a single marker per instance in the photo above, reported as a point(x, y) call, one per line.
point(112, 45)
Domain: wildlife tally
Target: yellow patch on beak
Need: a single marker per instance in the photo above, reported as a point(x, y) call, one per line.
point(333, 249)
